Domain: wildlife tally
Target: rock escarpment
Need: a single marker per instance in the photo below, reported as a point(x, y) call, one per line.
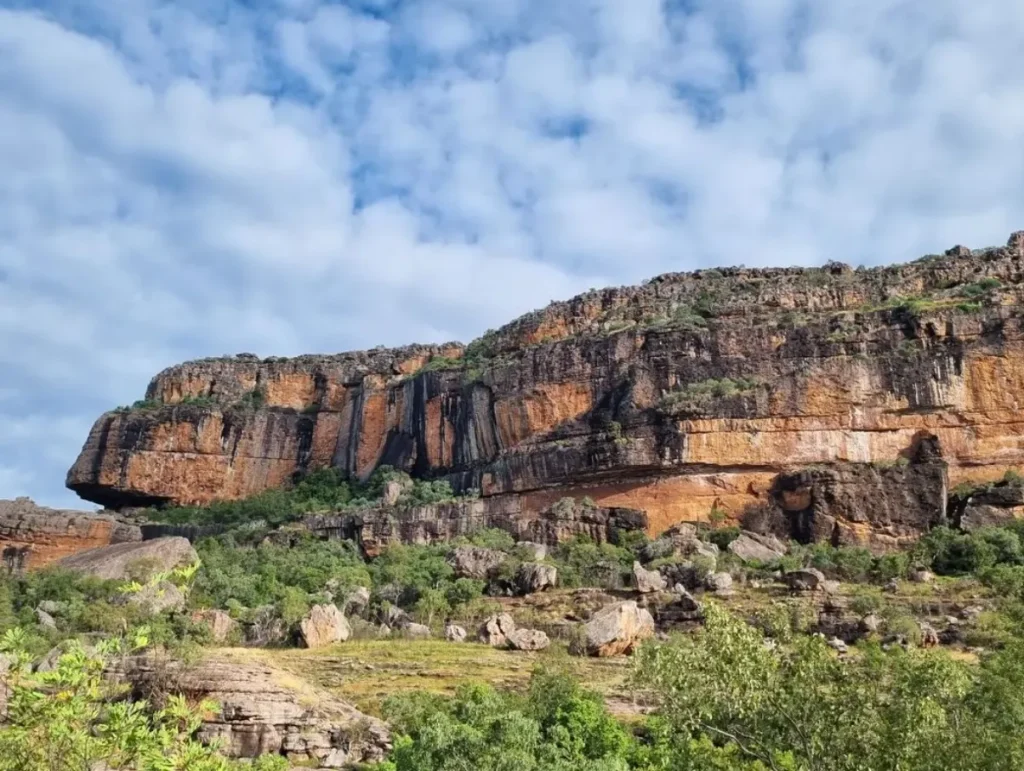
point(34, 536)
point(684, 398)
point(375, 528)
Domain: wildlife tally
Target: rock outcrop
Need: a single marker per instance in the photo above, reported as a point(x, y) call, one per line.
point(684, 398)
point(266, 711)
point(324, 625)
point(751, 547)
point(647, 581)
point(118, 562)
point(34, 536)
point(475, 562)
point(617, 629)
point(535, 577)
point(220, 624)
point(375, 528)
point(850, 503)
point(495, 630)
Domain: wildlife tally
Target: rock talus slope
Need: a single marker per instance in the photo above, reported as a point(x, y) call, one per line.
point(684, 398)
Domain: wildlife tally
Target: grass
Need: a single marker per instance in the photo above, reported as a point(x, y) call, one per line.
point(366, 672)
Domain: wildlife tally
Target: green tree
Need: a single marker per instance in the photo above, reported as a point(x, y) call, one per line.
point(798, 706)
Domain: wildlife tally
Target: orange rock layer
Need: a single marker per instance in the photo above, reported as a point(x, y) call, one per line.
point(684, 397)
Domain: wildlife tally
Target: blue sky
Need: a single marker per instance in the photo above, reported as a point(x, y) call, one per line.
point(209, 177)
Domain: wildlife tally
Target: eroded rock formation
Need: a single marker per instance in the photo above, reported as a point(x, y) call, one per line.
point(34, 536)
point(262, 710)
point(375, 528)
point(683, 398)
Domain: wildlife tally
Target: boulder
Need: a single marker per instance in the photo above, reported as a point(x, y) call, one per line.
point(870, 624)
point(686, 574)
point(698, 548)
point(475, 562)
point(678, 541)
point(395, 617)
point(751, 547)
point(416, 631)
point(535, 577)
point(528, 640)
point(324, 625)
point(804, 580)
point(929, 637)
point(682, 608)
point(52, 607)
point(158, 597)
point(116, 562)
point(265, 627)
point(454, 633)
point(921, 576)
point(45, 619)
point(718, 583)
point(221, 625)
point(261, 713)
point(617, 629)
point(496, 629)
point(838, 646)
point(393, 491)
point(357, 601)
point(647, 581)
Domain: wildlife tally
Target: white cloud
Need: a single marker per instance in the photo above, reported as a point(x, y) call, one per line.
point(191, 179)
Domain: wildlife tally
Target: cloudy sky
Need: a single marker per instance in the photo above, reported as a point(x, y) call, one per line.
point(206, 177)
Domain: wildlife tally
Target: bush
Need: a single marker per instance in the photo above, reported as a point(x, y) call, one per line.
point(581, 562)
point(722, 537)
point(256, 576)
point(556, 726)
point(866, 600)
point(952, 553)
point(492, 538)
point(798, 706)
point(890, 566)
point(853, 564)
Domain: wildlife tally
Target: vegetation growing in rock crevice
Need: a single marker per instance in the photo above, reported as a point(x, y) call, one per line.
point(320, 491)
point(700, 396)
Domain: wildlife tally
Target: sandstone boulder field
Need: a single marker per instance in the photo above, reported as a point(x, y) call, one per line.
point(836, 404)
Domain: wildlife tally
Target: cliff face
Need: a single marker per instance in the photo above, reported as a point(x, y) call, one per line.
point(34, 536)
point(682, 397)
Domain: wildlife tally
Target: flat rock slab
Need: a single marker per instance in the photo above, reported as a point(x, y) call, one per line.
point(115, 562)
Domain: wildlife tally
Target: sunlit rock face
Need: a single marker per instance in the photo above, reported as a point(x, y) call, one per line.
point(683, 398)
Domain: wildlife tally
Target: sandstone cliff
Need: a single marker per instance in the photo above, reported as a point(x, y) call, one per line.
point(684, 397)
point(34, 536)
